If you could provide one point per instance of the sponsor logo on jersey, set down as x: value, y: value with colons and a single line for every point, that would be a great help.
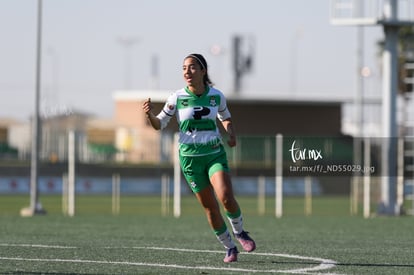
x: 184, y: 102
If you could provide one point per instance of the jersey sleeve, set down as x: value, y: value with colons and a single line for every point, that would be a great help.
x: 168, y: 110
x: 223, y: 111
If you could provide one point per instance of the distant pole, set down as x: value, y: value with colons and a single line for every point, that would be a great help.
x: 294, y: 60
x: 279, y: 177
x: 236, y: 63
x: 367, y: 178
x: 177, y: 180
x: 116, y: 194
x: 308, y: 195
x: 359, y: 115
x: 242, y: 63
x: 128, y: 43
x: 155, y: 73
x: 261, y: 195
x: 389, y: 106
x: 359, y: 118
x: 165, y: 194
x: 35, y: 207
x: 71, y: 172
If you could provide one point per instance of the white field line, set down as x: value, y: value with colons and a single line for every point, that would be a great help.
x: 324, y: 264
x: 39, y: 246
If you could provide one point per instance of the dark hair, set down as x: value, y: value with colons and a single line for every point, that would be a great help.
x: 203, y: 63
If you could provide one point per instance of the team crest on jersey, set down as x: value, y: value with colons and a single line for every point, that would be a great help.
x: 213, y: 101
x: 170, y: 106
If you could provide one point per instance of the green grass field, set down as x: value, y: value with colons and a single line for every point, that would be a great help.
x: 142, y: 241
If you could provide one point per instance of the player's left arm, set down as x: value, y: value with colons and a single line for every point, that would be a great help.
x: 224, y: 117
x: 228, y: 126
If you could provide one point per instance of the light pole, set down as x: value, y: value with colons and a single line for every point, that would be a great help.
x: 127, y: 43
x: 35, y: 207
x: 217, y: 51
x: 389, y: 118
x: 294, y: 59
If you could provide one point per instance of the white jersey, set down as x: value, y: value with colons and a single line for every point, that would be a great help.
x: 196, y: 117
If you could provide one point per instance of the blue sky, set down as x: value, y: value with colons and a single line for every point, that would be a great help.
x: 83, y: 62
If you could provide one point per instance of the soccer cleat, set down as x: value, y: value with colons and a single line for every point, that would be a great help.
x: 247, y: 243
x: 231, y: 255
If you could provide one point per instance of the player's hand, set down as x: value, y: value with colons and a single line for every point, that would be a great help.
x: 232, y: 141
x: 147, y: 106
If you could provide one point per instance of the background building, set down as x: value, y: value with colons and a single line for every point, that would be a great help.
x: 254, y: 114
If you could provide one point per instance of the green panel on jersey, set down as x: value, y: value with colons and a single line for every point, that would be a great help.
x: 193, y: 149
x: 198, y: 124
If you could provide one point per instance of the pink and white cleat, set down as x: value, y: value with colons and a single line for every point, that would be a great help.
x: 231, y: 255
x: 247, y: 243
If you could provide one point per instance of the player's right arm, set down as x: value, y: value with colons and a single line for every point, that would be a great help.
x: 154, y: 120
x: 160, y: 121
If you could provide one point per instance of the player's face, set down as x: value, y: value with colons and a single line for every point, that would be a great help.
x: 192, y: 72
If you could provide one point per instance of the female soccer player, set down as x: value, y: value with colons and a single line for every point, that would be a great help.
x: 203, y: 159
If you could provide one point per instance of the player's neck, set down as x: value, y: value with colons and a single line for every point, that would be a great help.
x: 197, y: 90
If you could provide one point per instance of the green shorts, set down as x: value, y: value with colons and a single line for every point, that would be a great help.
x: 198, y: 170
